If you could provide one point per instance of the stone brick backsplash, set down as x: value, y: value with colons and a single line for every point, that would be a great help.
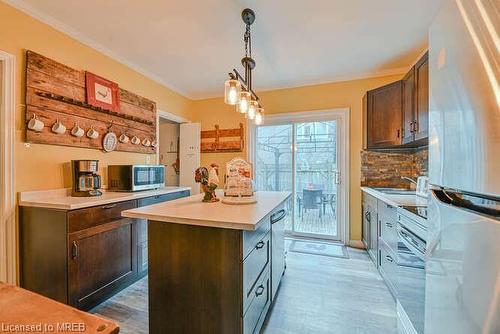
x: 384, y: 168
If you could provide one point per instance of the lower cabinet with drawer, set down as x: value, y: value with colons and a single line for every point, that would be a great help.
x: 209, y: 279
x: 82, y: 257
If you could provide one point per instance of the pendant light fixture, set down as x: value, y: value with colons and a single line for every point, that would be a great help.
x: 238, y: 89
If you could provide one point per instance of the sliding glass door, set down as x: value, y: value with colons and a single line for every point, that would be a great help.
x: 301, y: 157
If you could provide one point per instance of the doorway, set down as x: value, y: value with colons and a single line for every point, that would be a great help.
x: 168, y: 150
x: 306, y: 154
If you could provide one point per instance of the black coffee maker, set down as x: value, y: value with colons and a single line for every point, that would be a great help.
x: 86, y: 181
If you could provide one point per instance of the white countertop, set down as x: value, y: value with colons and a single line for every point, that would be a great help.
x: 396, y: 200
x: 192, y: 211
x: 61, y: 198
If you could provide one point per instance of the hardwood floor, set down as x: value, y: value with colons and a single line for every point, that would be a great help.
x: 318, y: 295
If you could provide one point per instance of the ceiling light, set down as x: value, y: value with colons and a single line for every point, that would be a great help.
x: 232, y: 91
x: 238, y: 89
x: 259, y: 116
x: 245, y: 99
x: 252, y: 109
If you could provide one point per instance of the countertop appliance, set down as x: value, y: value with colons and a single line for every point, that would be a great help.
x: 86, y: 181
x: 463, y: 242
x: 135, y: 177
x: 278, y: 248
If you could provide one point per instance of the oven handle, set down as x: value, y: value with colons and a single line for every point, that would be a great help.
x: 409, y: 241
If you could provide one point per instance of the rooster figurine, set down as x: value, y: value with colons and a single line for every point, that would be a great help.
x: 209, y: 180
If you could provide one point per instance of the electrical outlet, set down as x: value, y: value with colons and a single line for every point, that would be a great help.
x: 148, y: 159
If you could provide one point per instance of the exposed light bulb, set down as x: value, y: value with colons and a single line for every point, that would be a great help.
x: 252, y: 109
x: 233, y: 96
x: 259, y: 117
x: 232, y: 90
x: 244, y: 102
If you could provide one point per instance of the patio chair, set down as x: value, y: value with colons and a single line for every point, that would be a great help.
x: 311, y: 199
x: 329, y: 199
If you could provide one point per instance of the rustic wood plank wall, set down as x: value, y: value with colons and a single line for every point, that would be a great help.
x: 47, y: 79
x: 222, y: 140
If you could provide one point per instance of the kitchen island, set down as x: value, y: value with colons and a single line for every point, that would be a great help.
x: 213, y: 267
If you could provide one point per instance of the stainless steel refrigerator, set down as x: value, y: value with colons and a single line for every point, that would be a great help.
x: 463, y: 241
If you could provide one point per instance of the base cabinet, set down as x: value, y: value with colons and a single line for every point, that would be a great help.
x: 381, y: 237
x: 370, y: 226
x: 101, y: 259
x: 82, y: 257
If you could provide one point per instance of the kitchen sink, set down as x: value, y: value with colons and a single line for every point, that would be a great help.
x: 396, y: 191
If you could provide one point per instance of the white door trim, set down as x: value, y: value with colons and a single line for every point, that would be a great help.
x: 169, y: 117
x: 8, y: 231
x: 172, y: 117
x: 319, y: 115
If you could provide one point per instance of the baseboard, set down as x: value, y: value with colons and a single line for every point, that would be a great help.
x: 404, y: 324
x: 356, y: 244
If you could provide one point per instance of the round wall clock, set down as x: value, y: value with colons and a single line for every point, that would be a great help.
x: 109, y: 142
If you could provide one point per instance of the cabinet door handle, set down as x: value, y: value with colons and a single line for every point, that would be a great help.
x: 259, y: 291
x: 110, y: 206
x: 259, y: 245
x: 74, y: 250
x: 389, y: 258
x: 278, y: 216
x: 398, y: 131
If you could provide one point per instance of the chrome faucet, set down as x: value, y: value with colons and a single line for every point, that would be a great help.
x: 409, y: 179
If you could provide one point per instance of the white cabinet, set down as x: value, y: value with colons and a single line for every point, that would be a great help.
x: 189, y: 155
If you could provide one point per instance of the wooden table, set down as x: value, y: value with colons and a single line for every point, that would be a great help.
x: 23, y: 311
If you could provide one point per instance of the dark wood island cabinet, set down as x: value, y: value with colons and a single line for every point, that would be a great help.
x: 212, y: 265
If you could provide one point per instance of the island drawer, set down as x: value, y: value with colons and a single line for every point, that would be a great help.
x: 260, y: 301
x: 162, y: 198
x: 89, y: 217
x: 254, y: 265
x: 251, y: 238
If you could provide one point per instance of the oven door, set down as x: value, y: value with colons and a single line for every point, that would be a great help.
x: 411, y: 277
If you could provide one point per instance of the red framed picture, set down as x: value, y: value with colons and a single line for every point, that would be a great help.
x: 102, y: 92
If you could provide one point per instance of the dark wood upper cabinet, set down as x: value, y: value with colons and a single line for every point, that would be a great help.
x: 408, y: 106
x: 421, y: 127
x: 383, y: 115
x: 398, y: 114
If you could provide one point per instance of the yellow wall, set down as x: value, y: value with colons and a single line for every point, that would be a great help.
x: 308, y: 98
x: 46, y: 166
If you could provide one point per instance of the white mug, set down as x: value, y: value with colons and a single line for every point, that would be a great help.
x: 124, y: 138
x: 135, y: 140
x: 35, y: 124
x: 154, y: 143
x: 92, y: 134
x: 58, y: 127
x: 77, y: 131
x: 146, y: 142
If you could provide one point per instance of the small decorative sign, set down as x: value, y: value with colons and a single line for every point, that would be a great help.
x: 238, y: 178
x: 102, y: 93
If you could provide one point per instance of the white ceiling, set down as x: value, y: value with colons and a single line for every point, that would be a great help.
x: 191, y: 45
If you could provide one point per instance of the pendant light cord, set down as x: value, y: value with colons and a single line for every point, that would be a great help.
x: 248, y: 42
